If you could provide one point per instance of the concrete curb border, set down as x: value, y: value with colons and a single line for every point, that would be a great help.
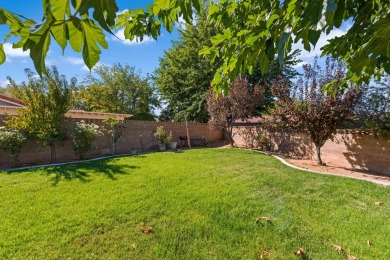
x: 65, y: 163
x: 380, y: 182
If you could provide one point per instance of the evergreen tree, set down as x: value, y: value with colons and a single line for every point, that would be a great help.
x: 183, y: 77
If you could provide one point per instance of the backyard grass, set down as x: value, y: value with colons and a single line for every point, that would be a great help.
x: 201, y: 204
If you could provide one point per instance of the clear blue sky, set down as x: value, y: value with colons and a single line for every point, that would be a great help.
x: 144, y: 56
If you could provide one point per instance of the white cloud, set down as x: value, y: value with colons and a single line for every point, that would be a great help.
x: 120, y: 36
x: 84, y: 67
x: 24, y: 61
x: 50, y: 62
x: 322, y: 41
x: 74, y: 61
x: 121, y: 12
x: 4, y: 83
x: 181, y: 23
x: 11, y: 52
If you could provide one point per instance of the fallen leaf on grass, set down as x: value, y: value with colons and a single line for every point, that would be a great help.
x: 300, y: 252
x: 338, y: 249
x: 378, y: 203
x: 369, y: 243
x: 148, y: 230
x: 266, y: 219
x: 351, y: 257
x: 263, y: 254
x: 134, y: 246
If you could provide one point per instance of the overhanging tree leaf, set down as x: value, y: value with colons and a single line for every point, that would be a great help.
x: 59, y: 34
x: 104, y: 12
x: 75, y: 31
x: 93, y: 36
x: 282, y: 46
x: 296, y: 17
x: 39, y: 50
x: 58, y: 8
x: 2, y: 54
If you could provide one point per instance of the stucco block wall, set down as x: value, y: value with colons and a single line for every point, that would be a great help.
x: 357, y: 150
x: 33, y: 153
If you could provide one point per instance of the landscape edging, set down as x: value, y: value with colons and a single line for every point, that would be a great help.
x: 380, y: 182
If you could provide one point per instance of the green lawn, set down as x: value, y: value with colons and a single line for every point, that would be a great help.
x: 202, y: 204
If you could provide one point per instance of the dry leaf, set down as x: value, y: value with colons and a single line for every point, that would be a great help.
x: 338, y: 249
x: 266, y: 219
x: 148, y: 230
x: 369, y: 243
x: 263, y: 254
x: 351, y: 257
x: 134, y: 246
x: 299, y: 252
x: 379, y: 203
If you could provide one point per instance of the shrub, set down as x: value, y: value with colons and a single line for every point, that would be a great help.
x: 83, y: 135
x: 162, y: 136
x: 115, y: 129
x: 11, y: 142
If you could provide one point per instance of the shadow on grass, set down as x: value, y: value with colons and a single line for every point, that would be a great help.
x: 84, y: 172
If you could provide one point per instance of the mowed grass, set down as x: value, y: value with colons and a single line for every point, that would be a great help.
x: 201, y: 204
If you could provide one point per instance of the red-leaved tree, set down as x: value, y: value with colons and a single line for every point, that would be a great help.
x: 237, y: 104
x: 306, y: 105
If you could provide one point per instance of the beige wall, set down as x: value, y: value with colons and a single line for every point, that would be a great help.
x: 359, y: 150
x: 33, y: 153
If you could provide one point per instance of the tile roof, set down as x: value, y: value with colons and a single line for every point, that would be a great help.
x: 13, y: 100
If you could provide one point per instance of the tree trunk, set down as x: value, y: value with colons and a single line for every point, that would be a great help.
x: 188, y: 134
x: 113, y: 147
x: 53, y: 153
x: 15, y: 158
x: 230, y: 133
x: 318, y: 149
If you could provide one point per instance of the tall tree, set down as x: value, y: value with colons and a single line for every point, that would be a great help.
x: 183, y: 77
x: 306, y: 105
x: 237, y: 104
x: 47, y: 100
x: 253, y: 29
x: 121, y: 89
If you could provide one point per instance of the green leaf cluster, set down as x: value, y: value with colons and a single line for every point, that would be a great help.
x: 121, y: 89
x: 11, y: 142
x: 183, y: 77
x: 266, y: 28
x: 255, y: 31
x: 47, y: 99
x: 64, y: 21
x: 83, y: 135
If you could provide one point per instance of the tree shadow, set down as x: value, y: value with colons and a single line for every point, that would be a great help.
x: 367, y: 153
x: 85, y: 171
x: 291, y: 143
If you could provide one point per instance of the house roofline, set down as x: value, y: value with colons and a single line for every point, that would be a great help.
x: 13, y: 101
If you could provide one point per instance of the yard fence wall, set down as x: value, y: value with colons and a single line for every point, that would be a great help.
x: 359, y: 150
x: 33, y: 154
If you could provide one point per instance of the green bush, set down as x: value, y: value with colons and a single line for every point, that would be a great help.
x: 162, y: 136
x: 83, y: 135
x: 11, y: 142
